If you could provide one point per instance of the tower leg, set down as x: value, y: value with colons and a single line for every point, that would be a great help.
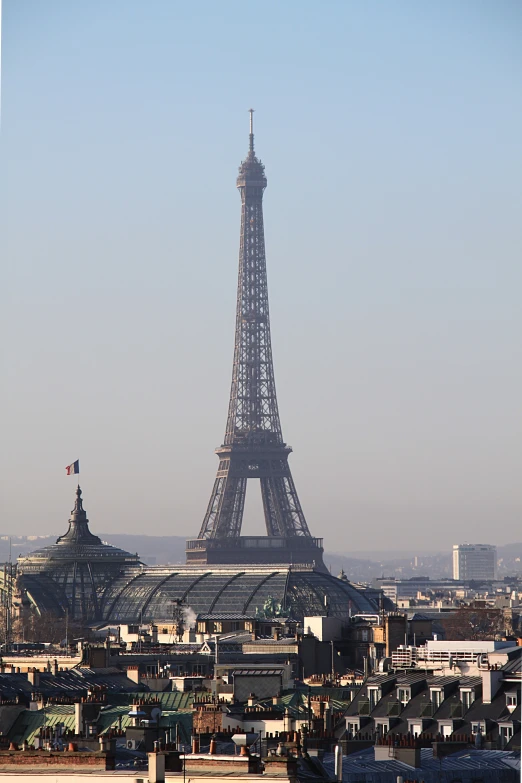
x: 225, y: 509
x: 282, y: 508
x: 272, y: 512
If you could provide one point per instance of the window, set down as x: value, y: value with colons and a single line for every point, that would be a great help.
x: 506, y: 733
x: 353, y: 728
x: 467, y: 698
x: 164, y: 630
x: 437, y: 698
x: 511, y: 699
x: 373, y: 695
x: 476, y: 728
x: 403, y: 695
x: 132, y: 629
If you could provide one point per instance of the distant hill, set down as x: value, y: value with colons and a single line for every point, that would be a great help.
x: 154, y: 550
x: 359, y: 566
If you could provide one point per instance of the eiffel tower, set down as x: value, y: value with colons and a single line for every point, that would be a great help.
x: 253, y: 447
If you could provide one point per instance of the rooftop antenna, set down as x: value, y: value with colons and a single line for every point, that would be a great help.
x: 251, y: 147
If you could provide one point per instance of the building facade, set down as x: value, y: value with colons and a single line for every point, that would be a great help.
x: 474, y: 562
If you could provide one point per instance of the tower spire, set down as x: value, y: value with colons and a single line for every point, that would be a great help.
x: 251, y: 137
x: 78, y: 531
x: 78, y: 509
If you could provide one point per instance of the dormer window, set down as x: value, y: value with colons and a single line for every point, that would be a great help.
x: 403, y: 695
x: 506, y: 734
x: 382, y: 728
x: 437, y: 697
x: 373, y: 696
x: 467, y: 698
x: 352, y: 728
x: 511, y: 701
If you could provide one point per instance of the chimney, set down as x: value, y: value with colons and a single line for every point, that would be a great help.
x: 338, y: 762
x: 78, y: 718
x: 491, y: 680
x: 133, y: 673
x: 33, y: 675
x: 55, y: 667
x: 327, y: 717
x: 36, y: 702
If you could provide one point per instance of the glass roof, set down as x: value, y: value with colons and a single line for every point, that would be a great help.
x: 150, y: 593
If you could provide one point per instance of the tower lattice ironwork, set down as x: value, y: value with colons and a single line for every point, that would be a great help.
x: 253, y: 445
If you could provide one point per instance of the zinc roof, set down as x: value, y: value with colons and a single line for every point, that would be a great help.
x: 28, y: 723
x: 362, y: 766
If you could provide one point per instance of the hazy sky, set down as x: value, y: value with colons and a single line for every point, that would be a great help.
x: 391, y: 134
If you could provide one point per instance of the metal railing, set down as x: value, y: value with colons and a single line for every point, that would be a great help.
x: 255, y: 542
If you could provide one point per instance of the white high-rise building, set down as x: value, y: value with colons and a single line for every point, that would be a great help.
x: 474, y: 561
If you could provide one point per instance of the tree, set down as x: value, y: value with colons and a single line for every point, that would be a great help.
x: 473, y: 624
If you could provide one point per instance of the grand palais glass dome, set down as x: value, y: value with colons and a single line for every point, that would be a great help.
x: 96, y: 582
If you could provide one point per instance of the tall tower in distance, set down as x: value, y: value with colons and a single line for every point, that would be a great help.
x: 253, y: 447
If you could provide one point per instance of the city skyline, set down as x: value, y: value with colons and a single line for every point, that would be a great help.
x: 392, y: 238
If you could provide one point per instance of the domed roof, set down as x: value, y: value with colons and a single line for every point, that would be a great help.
x: 149, y: 593
x: 72, y: 574
x: 77, y: 544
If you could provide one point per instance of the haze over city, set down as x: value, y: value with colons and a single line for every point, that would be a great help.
x: 391, y: 139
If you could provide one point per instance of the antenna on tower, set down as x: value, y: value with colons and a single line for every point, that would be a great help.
x: 251, y: 111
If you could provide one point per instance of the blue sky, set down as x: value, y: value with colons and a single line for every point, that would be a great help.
x: 391, y: 135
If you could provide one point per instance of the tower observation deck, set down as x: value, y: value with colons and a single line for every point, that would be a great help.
x: 253, y: 446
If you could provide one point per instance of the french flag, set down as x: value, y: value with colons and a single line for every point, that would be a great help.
x: 73, y: 468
